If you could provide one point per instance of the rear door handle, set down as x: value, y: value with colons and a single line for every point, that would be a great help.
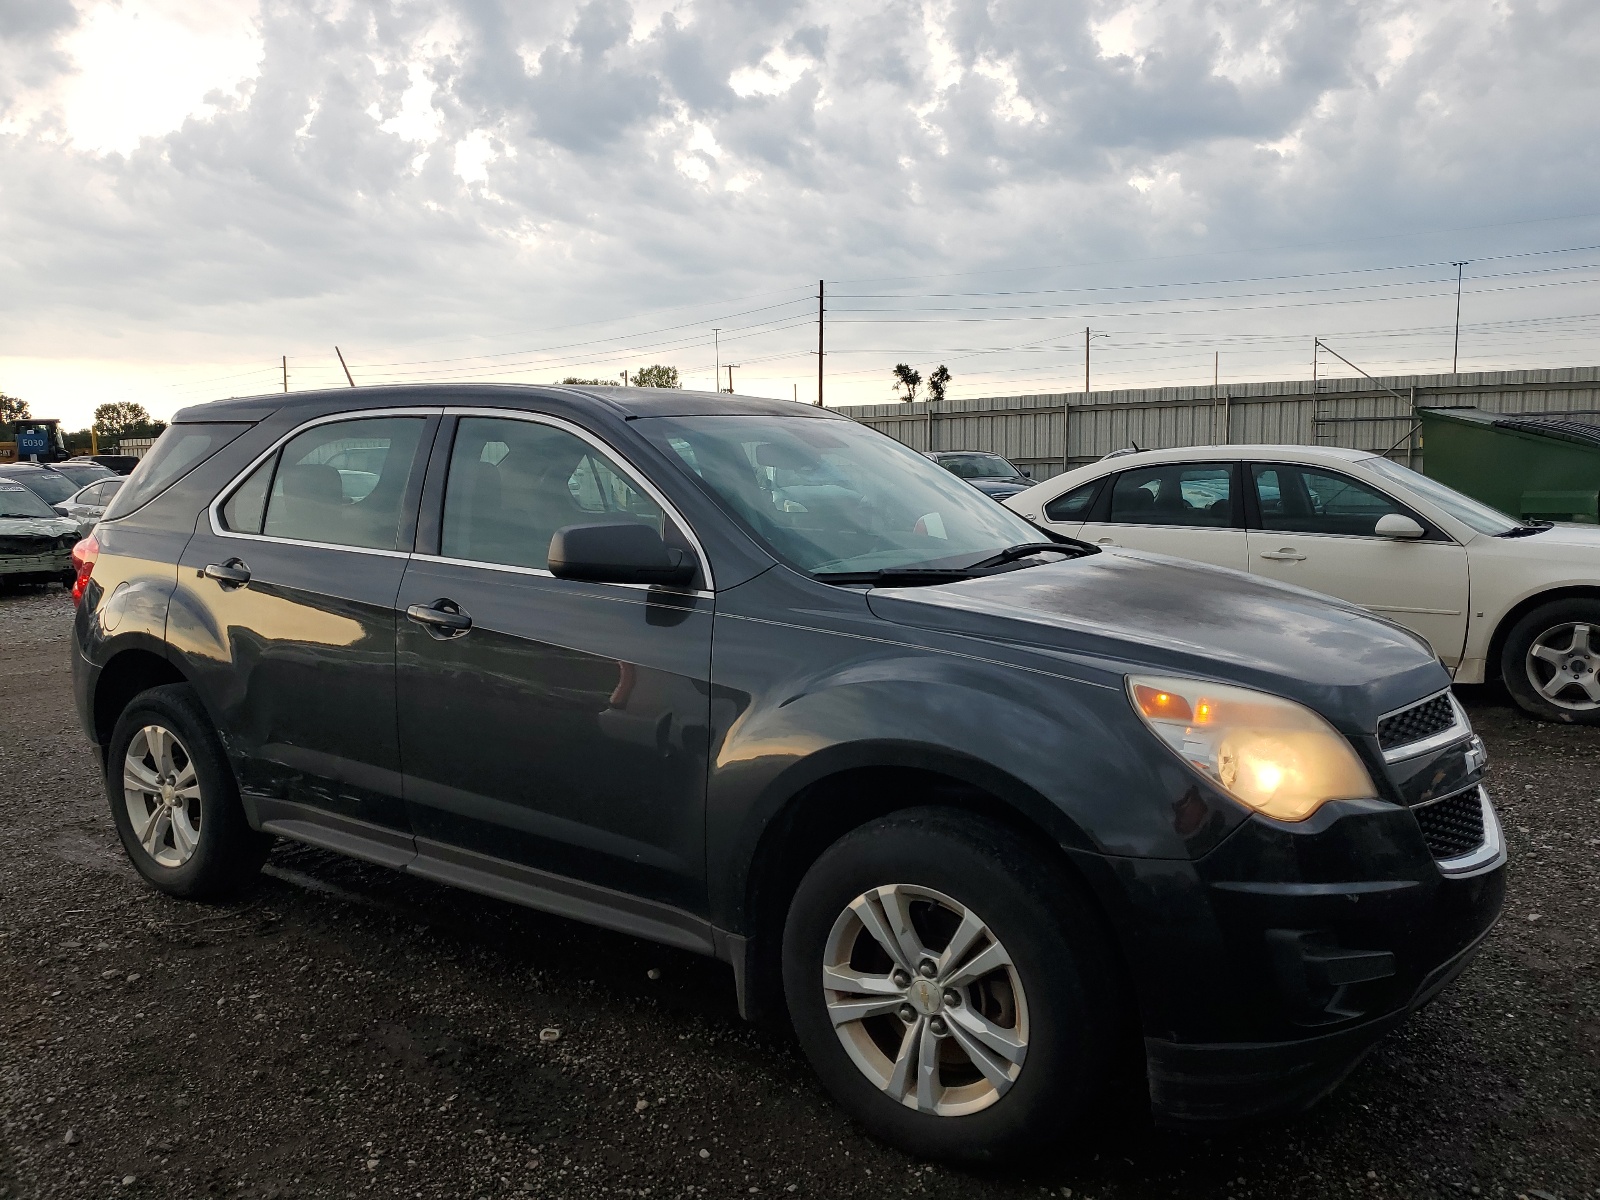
x: 230, y: 574
x: 1284, y: 555
x: 442, y: 618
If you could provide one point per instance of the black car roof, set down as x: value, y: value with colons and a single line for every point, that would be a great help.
x: 620, y: 401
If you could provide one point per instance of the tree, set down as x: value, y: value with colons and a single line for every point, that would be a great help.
x: 938, y: 380
x: 907, y: 380
x: 591, y: 382
x: 656, y: 375
x: 12, y: 408
x: 125, y: 419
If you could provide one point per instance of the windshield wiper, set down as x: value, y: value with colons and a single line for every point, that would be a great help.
x: 1527, y: 529
x: 899, y: 576
x: 1012, y: 553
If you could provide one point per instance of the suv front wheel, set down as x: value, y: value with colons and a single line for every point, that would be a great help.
x: 950, y: 985
x: 174, y: 800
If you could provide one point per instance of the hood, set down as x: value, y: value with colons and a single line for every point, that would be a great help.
x: 1000, y: 489
x: 39, y: 527
x: 1146, y: 612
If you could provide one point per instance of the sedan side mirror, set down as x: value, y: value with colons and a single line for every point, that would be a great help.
x: 1395, y: 525
x: 619, y: 552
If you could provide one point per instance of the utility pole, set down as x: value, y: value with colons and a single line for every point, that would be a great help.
x: 1216, y: 370
x: 731, y: 366
x: 1086, y: 360
x: 624, y: 377
x: 286, y: 374
x: 820, y: 311
x: 1316, y: 344
x: 716, y: 370
x: 342, y: 363
x: 1455, y: 352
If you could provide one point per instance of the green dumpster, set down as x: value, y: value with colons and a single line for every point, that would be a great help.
x: 1535, y: 466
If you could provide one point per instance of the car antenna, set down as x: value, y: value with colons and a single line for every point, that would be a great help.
x: 1135, y: 445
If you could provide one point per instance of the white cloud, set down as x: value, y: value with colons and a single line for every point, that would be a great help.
x: 289, y: 168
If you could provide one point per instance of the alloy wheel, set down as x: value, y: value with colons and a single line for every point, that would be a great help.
x: 925, y: 1000
x: 1562, y: 666
x: 162, y: 794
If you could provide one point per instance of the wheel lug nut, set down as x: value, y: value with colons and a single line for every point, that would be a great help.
x: 927, y: 968
x: 952, y: 997
x: 907, y: 1013
x: 937, y: 1027
x: 901, y: 979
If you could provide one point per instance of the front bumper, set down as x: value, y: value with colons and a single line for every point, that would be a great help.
x: 1204, y: 1087
x: 1265, y: 970
x: 52, y: 563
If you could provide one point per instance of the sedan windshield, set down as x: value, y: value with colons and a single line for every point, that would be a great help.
x: 834, y: 498
x: 18, y: 501
x: 1465, y: 509
x: 52, y: 487
x: 978, y: 466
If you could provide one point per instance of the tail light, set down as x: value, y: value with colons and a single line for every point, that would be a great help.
x: 84, y: 555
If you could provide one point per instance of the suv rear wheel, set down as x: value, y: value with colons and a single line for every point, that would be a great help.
x: 174, y: 800
x: 1551, y: 662
x: 950, y: 986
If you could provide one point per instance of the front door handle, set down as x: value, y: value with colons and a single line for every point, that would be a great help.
x: 231, y: 574
x: 1284, y: 555
x: 442, y: 619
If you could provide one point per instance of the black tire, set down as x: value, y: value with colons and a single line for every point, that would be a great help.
x: 1058, y: 949
x: 1547, y: 621
x: 227, y: 854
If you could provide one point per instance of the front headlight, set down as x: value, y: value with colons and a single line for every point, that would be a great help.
x: 1268, y: 753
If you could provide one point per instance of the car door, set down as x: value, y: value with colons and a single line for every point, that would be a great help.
x: 1316, y: 529
x: 553, y: 732
x: 293, y: 576
x: 1186, y: 509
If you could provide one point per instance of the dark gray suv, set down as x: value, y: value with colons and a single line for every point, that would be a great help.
x: 985, y: 813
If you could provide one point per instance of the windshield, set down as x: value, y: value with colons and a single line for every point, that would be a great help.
x: 85, y: 472
x: 834, y: 497
x: 978, y: 466
x: 1465, y: 509
x: 54, y: 488
x: 18, y: 501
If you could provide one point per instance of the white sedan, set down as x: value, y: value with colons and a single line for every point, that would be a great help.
x: 1495, y: 597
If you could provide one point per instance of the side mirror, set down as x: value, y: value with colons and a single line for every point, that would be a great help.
x: 1027, y: 472
x: 620, y: 552
x: 1394, y: 525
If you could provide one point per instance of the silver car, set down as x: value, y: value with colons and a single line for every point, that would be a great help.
x: 87, y: 505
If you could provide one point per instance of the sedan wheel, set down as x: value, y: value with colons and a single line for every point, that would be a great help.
x: 1550, y: 661
x: 162, y: 791
x: 1562, y: 665
x: 925, y: 1000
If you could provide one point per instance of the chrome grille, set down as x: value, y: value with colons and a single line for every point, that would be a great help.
x: 1417, y: 722
x: 1453, y: 826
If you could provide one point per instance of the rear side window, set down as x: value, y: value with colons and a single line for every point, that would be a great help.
x: 179, y: 450
x: 1188, y: 494
x: 512, y: 484
x: 341, y: 484
x: 1074, y: 505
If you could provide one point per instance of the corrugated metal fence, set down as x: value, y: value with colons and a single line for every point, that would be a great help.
x: 1055, y: 431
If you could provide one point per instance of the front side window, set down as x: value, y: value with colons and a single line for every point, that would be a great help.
x: 179, y: 450
x: 1187, y: 494
x: 835, y: 498
x: 513, y: 484
x: 342, y: 484
x: 1307, y: 500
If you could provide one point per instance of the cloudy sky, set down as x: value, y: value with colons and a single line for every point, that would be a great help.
x: 485, y: 189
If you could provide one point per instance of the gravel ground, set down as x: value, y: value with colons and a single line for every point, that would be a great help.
x: 345, y: 1030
